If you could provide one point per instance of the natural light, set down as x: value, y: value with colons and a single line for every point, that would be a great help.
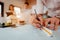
x: 17, y: 11
x: 0, y: 10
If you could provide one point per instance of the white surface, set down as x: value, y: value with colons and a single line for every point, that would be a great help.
x: 26, y: 32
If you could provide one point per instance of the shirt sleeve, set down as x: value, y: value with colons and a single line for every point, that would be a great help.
x: 34, y: 7
x: 38, y: 7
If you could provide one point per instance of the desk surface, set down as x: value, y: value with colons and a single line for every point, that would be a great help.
x: 26, y: 32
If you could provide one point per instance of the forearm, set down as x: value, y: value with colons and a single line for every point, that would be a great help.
x: 40, y: 6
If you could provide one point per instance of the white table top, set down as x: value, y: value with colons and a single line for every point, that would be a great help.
x: 26, y: 32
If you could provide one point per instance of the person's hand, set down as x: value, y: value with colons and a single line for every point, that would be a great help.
x: 36, y: 22
x: 54, y: 23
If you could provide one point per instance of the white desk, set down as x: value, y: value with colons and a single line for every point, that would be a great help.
x: 26, y: 32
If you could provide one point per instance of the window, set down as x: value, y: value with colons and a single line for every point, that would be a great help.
x: 1, y: 9
x: 17, y: 11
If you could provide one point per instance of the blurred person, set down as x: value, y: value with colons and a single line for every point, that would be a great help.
x: 38, y: 7
x: 26, y: 12
x: 11, y: 15
x: 53, y: 9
